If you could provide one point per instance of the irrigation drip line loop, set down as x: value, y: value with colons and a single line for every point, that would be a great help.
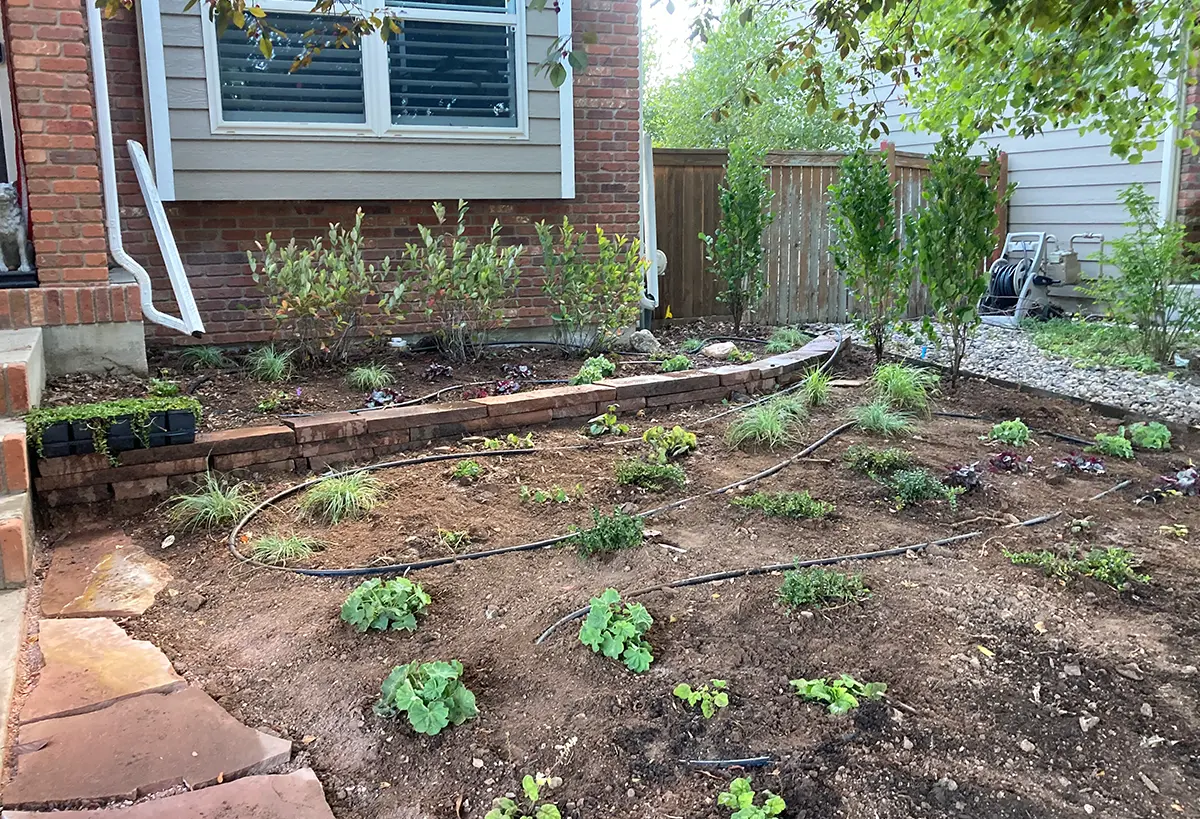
x: 751, y: 762
x: 734, y: 574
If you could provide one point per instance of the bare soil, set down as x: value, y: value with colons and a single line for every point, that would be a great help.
x: 994, y: 670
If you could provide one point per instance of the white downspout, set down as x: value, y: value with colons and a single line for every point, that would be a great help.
x: 191, y: 323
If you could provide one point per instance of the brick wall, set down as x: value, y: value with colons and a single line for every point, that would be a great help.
x: 1189, y: 171
x: 213, y: 237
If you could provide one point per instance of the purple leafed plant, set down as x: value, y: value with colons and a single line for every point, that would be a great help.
x: 964, y: 476
x: 435, y: 371
x: 474, y: 392
x: 383, y: 397
x: 1009, y: 461
x: 519, y: 372
x: 507, y: 386
x: 1184, y: 481
x: 1078, y: 462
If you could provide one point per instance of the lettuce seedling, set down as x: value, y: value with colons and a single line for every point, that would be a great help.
x: 839, y: 695
x: 740, y: 799
x: 709, y: 699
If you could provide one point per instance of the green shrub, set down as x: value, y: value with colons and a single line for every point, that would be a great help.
x: 369, y: 378
x: 817, y: 587
x: 593, y: 370
x: 916, y: 485
x: 1013, y: 433
x: 741, y: 800
x: 505, y: 807
x: 654, y: 477
x: 430, y: 694
x: 282, y: 550
x: 593, y: 295
x: 786, y: 339
x: 618, y: 632
x: 709, y: 699
x: 774, y: 423
x: 675, y: 364
x: 903, y: 387
x: 163, y: 388
x: 215, y: 502
x: 467, y: 471
x: 1116, y: 567
x: 866, y: 245
x: 1115, y: 446
x: 341, y: 497
x: 609, y: 533
x: 879, y: 418
x: 877, y: 462
x: 1152, y: 436
x: 463, y: 283
x: 735, y: 252
x: 204, y: 357
x: 268, y: 365
x: 378, y: 605
x: 816, y: 388
x: 797, y: 505
x: 667, y: 445
x: 318, y: 294
x: 840, y: 695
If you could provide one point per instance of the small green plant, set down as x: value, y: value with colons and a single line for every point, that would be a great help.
x: 916, y: 485
x: 385, y: 605
x: 618, y: 631
x: 740, y: 798
x: 555, y: 494
x: 879, y: 418
x: 1152, y: 436
x: 453, y: 539
x: 797, y: 505
x: 268, y: 365
x: 651, y: 476
x: 214, y: 502
x: 710, y: 699
x: 816, y: 389
x: 903, y: 387
x: 877, y: 463
x: 509, y: 441
x: 769, y: 425
x: 692, y: 345
x: 594, y: 369
x: 786, y: 339
x: 1116, y: 567
x: 430, y: 694
x: 675, y: 364
x: 606, y: 424
x: 1114, y: 446
x: 369, y: 377
x: 283, y: 550
x: 816, y: 587
x: 609, y: 533
x: 667, y: 445
x: 1176, y: 530
x: 162, y: 388
x: 341, y: 497
x: 1013, y: 433
x: 204, y: 358
x: 504, y: 807
x: 737, y: 356
x: 839, y: 695
x: 466, y: 472
x: 274, y: 402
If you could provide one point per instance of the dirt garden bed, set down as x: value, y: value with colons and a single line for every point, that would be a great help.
x: 994, y: 670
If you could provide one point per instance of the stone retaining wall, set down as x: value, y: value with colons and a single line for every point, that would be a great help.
x: 318, y: 442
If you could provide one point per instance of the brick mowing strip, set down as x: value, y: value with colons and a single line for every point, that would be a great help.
x: 319, y: 442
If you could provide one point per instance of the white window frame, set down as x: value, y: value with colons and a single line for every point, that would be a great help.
x: 376, y: 87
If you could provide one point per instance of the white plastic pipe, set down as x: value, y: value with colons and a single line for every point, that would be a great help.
x: 190, y: 323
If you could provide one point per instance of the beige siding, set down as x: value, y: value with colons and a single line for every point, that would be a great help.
x: 212, y: 166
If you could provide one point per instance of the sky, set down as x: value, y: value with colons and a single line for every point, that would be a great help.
x: 670, y: 33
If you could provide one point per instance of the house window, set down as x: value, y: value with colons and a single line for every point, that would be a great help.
x: 456, y: 68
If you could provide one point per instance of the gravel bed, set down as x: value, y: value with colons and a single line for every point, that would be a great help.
x: 1011, y: 355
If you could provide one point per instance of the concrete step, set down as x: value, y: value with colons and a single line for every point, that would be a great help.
x: 22, y: 370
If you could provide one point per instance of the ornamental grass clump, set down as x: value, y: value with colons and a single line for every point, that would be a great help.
x: 768, y: 425
x: 786, y: 339
x: 879, y: 418
x: 215, y: 502
x: 269, y: 365
x: 369, y: 377
x: 341, y: 497
x: 283, y: 550
x: 902, y: 387
x: 816, y: 388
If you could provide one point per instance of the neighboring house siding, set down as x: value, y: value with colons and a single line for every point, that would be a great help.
x: 213, y: 236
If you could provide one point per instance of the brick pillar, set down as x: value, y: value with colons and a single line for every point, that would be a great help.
x: 1189, y: 170
x: 56, y: 120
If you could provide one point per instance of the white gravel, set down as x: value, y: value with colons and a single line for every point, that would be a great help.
x: 1009, y: 354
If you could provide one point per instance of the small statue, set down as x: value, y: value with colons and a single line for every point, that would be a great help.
x: 14, y: 243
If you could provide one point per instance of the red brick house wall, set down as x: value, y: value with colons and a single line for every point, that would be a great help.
x: 1189, y: 169
x: 213, y: 237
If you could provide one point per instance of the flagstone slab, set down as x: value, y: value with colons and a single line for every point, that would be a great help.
x: 101, y: 574
x: 136, y: 747
x: 91, y: 663
x: 296, y: 795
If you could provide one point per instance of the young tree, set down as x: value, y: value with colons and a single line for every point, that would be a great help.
x: 735, y: 251
x: 866, y: 246
x: 951, y: 238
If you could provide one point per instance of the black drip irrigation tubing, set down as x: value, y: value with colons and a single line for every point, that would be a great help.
x: 734, y: 574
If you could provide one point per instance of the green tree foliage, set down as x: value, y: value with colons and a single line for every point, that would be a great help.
x: 1153, y: 259
x: 679, y: 111
x: 866, y: 246
x: 951, y: 238
x: 735, y: 251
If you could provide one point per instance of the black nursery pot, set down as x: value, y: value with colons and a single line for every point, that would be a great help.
x: 120, y: 435
x: 172, y: 427
x: 67, y: 438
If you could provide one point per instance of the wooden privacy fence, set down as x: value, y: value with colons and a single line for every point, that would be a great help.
x: 801, y: 282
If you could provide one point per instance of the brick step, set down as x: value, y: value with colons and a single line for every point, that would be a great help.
x: 22, y: 370
x: 16, y: 514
